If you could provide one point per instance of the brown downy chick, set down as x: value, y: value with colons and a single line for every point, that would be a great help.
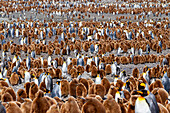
x: 93, y: 105
x: 84, y: 82
x: 81, y: 90
x: 33, y: 90
x: 54, y: 109
x: 11, y: 91
x: 12, y: 107
x: 73, y: 85
x: 65, y: 88
x: 131, y: 105
x: 26, y: 106
x: 21, y: 94
x: 112, y: 91
x: 99, y: 90
x: 162, y: 108
x: 70, y: 106
x: 105, y: 82
x: 27, y: 88
x: 40, y: 103
x: 6, y: 97
x: 111, y: 106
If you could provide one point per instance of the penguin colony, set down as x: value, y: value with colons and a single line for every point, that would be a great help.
x: 68, y: 56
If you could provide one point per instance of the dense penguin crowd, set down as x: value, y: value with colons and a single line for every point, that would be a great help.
x: 88, y: 56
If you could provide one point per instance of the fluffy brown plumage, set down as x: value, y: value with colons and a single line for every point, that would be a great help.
x: 12, y: 107
x: 70, y: 106
x: 26, y: 106
x: 40, y: 103
x: 73, y: 85
x: 54, y: 109
x: 81, y: 90
x: 65, y: 88
x: 93, y: 106
x: 111, y: 106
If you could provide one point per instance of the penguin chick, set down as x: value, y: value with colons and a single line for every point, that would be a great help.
x: 70, y: 106
x: 157, y: 96
x: 135, y: 72
x: 26, y: 106
x: 131, y: 104
x: 93, y: 106
x: 21, y: 93
x: 84, y: 82
x: 163, y: 94
x: 11, y: 91
x: 64, y: 88
x: 33, y: 90
x: 53, y: 109
x: 112, y: 91
x: 105, y: 82
x: 73, y: 85
x: 14, y: 79
x: 108, y: 69
x: 40, y: 103
x: 99, y: 90
x: 27, y: 87
x: 162, y: 108
x: 12, y: 107
x: 6, y: 97
x: 122, y: 105
x: 81, y: 90
x: 52, y: 101
x: 111, y: 106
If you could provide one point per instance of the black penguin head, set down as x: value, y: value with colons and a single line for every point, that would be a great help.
x: 124, y: 73
x: 141, y: 86
x: 143, y: 93
x: 58, y: 82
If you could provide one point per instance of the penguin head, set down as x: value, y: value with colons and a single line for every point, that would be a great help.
x: 58, y: 82
x: 142, y: 86
x: 116, y: 76
x: 164, y: 72
x: 143, y: 93
x: 124, y: 72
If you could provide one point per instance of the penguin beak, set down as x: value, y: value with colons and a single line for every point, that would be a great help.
x: 140, y: 92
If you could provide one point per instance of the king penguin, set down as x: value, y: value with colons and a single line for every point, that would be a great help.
x: 27, y: 77
x: 33, y: 54
x: 140, y: 51
x: 48, y: 83
x: 56, y: 90
x: 35, y: 80
x: 98, y: 79
x: 49, y: 61
x: 146, y: 103
x: 14, y: 59
x: 28, y: 62
x: 141, y: 105
x: 92, y: 48
x: 166, y: 82
x: 147, y: 49
x: 64, y: 68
